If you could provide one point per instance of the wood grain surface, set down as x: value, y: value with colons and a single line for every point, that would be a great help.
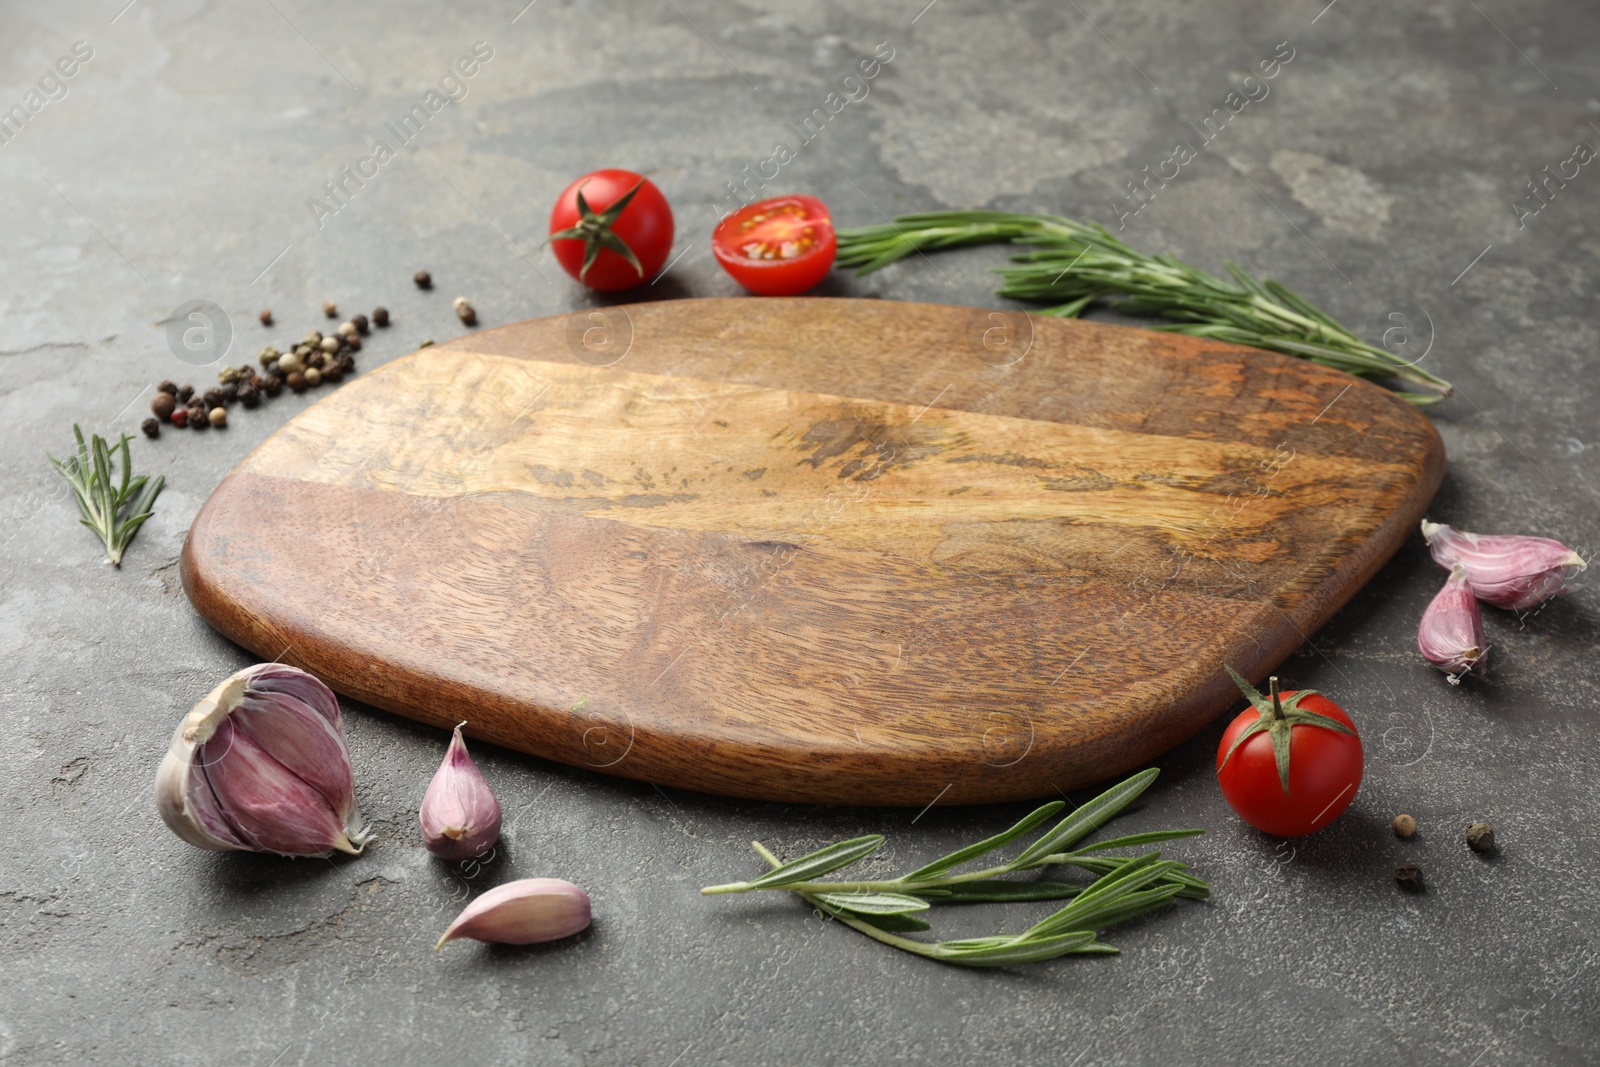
x: 815, y: 550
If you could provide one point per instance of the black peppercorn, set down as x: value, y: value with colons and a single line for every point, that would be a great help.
x: 230, y: 392
x: 214, y: 398
x: 361, y: 323
x: 249, y: 395
x: 353, y: 343
x: 151, y: 427
x: 199, y: 418
x: 316, y: 359
x: 423, y: 279
x: 380, y: 316
x: 1480, y: 837
x: 1409, y: 876
x: 167, y: 387
x: 185, y: 393
x: 265, y: 316
x: 272, y: 384
x: 347, y: 364
x: 296, y: 381
x: 162, y: 405
x: 331, y: 372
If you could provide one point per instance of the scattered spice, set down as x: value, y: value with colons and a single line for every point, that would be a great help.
x: 359, y: 321
x: 1404, y: 825
x: 163, y: 404
x: 330, y: 344
x: 330, y: 309
x: 313, y: 376
x: 296, y: 381
x: 218, y: 417
x: 423, y: 279
x: 465, y: 312
x: 197, y: 416
x: 265, y: 316
x: 114, y: 507
x: 1480, y: 837
x: 167, y: 387
x: 1409, y: 875
x: 380, y: 316
x: 214, y: 398
x: 151, y: 427
x: 184, y: 393
x: 180, y: 417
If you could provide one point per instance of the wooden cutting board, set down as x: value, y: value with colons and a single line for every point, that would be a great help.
x: 817, y: 550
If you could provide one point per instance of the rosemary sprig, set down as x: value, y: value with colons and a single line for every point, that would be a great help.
x: 1126, y: 886
x: 114, y: 508
x: 1073, y: 264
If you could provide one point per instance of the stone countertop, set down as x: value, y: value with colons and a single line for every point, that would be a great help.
x: 1384, y: 171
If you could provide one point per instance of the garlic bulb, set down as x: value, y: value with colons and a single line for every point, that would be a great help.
x: 1507, y: 570
x: 261, y: 765
x: 460, y: 816
x: 522, y: 913
x: 1451, y: 633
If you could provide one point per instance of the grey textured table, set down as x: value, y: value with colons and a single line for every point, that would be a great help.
x: 1381, y: 175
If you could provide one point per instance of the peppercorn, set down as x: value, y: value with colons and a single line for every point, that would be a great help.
x: 313, y: 377
x: 353, y: 343
x: 330, y: 344
x: 218, y: 417
x: 380, y: 316
x: 197, y: 417
x: 423, y: 279
x: 180, y: 417
x: 214, y: 398
x: 272, y: 384
x: 230, y: 392
x: 465, y: 311
x: 268, y: 356
x: 163, y: 404
x: 1409, y: 875
x: 359, y: 321
x: 346, y: 329
x: 185, y: 393
x: 292, y: 362
x: 333, y: 372
x: 315, y: 359
x: 1404, y: 825
x: 168, y: 388
x: 426, y: 343
x: 151, y: 427
x: 249, y: 395
x: 329, y: 309
x: 296, y: 381
x: 346, y: 364
x: 1480, y: 837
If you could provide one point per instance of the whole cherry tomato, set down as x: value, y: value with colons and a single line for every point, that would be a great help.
x: 777, y: 247
x: 1291, y: 762
x: 611, y: 230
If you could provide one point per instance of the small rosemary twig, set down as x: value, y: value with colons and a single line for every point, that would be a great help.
x: 114, y: 508
x: 1070, y: 265
x: 884, y: 909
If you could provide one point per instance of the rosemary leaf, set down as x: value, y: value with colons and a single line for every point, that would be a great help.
x: 1070, y: 265
x: 809, y: 866
x: 1085, y: 820
x: 114, y: 505
x: 875, y: 903
x: 955, y: 859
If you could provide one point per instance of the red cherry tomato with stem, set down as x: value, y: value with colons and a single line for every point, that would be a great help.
x: 1291, y: 762
x: 611, y: 230
x: 777, y: 247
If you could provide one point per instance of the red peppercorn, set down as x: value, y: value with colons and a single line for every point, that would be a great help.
x: 180, y: 417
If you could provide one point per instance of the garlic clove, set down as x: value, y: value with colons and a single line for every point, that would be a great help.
x: 1506, y: 570
x: 261, y: 764
x: 459, y: 815
x: 1450, y: 635
x: 273, y: 809
x: 522, y: 913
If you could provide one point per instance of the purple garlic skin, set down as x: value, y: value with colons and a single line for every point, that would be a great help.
x: 460, y: 816
x: 1506, y: 570
x: 1451, y: 633
x: 261, y: 765
x: 522, y: 913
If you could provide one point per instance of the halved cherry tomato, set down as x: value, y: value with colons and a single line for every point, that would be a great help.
x: 776, y: 247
